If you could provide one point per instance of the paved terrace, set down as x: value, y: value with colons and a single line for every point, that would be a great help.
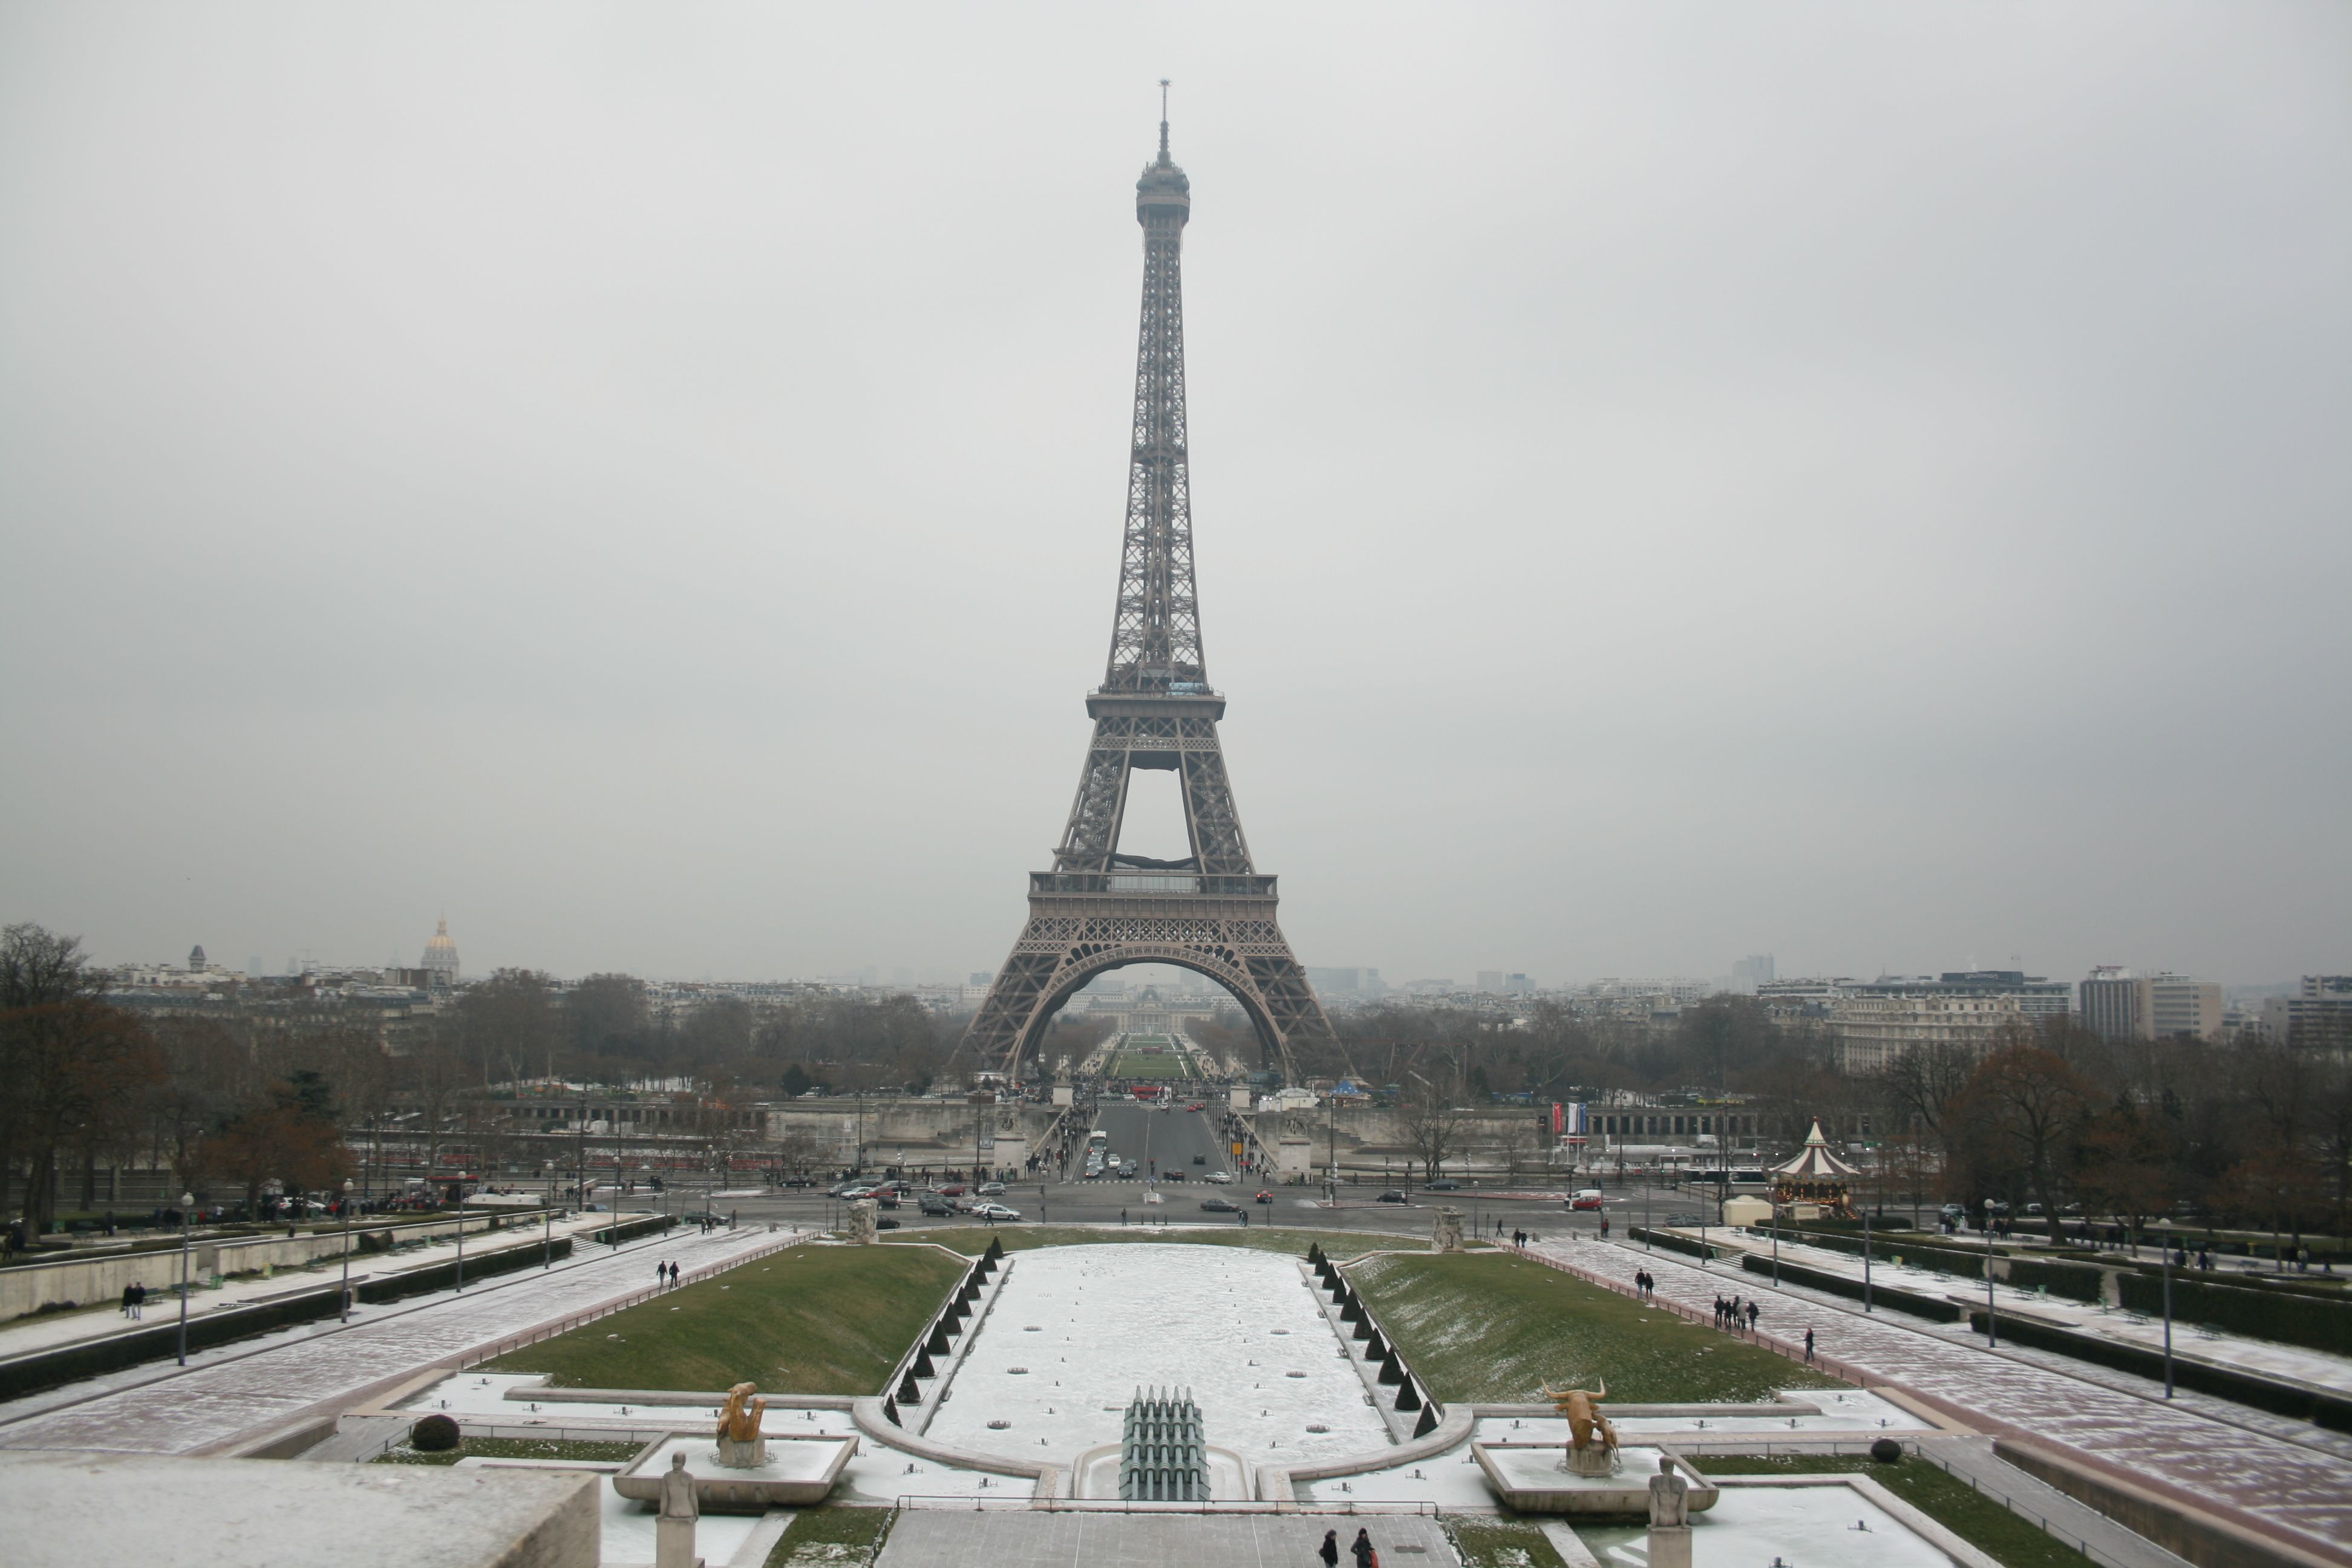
x: 217, y: 1408
x: 2283, y: 1490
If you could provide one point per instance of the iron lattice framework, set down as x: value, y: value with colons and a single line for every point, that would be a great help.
x: 1098, y: 909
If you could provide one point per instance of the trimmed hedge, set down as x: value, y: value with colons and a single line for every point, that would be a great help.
x: 70, y: 1364
x: 442, y: 1276
x: 1672, y: 1243
x: 633, y: 1228
x: 2293, y: 1320
x: 2321, y: 1406
x: 2076, y: 1281
x: 1901, y: 1300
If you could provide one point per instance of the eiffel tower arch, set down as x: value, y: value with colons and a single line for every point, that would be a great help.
x: 1213, y: 911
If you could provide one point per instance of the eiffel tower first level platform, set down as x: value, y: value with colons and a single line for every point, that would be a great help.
x: 1211, y: 911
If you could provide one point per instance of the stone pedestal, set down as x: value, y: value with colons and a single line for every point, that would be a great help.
x: 863, y: 1214
x: 1670, y: 1546
x: 1593, y: 1460
x: 742, y: 1455
x: 1237, y: 1098
x: 1065, y: 1095
x: 1447, y: 1235
x: 674, y: 1544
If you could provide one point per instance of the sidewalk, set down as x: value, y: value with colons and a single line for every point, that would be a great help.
x: 2292, y: 1492
x: 27, y: 1334
x: 217, y: 1407
x: 2189, y: 1341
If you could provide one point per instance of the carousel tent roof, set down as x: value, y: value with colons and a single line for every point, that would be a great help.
x: 1814, y: 1162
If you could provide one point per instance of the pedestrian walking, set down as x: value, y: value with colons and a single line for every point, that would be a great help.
x: 1752, y: 1315
x: 673, y: 1274
x: 1362, y: 1548
x: 1329, y: 1550
x: 1808, y: 1347
x: 661, y: 1274
x: 126, y: 1301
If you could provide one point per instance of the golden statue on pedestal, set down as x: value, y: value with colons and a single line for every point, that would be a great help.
x: 1585, y: 1457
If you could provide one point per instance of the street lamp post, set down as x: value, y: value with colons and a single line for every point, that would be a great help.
x: 1992, y: 1325
x: 1865, y: 1257
x: 547, y: 1245
x: 1775, y: 1243
x: 2168, y: 1316
x: 187, y: 1213
x: 347, y: 1250
x: 461, y: 1232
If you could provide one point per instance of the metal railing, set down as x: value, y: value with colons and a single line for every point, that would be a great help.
x: 1150, y: 884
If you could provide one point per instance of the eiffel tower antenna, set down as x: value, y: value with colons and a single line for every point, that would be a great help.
x: 1099, y: 909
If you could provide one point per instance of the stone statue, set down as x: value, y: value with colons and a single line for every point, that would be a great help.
x: 1669, y: 1544
x: 864, y: 1222
x: 741, y: 1445
x: 673, y: 1530
x: 1669, y: 1498
x: 1447, y: 1235
x: 1586, y: 1456
x: 677, y: 1499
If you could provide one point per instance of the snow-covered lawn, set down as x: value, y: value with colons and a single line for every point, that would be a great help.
x: 1087, y: 1326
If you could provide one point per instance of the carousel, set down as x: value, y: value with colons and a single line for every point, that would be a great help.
x: 1815, y: 1179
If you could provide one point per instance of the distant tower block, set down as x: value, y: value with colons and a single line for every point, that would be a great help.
x: 196, y: 956
x: 441, y: 959
x: 1099, y: 909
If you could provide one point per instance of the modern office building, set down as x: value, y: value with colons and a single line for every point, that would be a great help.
x: 2319, y: 1014
x: 2117, y: 1004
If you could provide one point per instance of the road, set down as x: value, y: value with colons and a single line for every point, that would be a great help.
x: 1171, y: 1138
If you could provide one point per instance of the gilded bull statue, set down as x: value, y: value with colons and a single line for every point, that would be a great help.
x: 1585, y: 1422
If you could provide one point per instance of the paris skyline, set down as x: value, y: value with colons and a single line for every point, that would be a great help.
x: 1667, y: 486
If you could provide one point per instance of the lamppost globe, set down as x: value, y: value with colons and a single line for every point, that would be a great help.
x: 187, y: 1200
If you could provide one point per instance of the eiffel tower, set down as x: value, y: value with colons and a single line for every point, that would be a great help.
x: 1097, y: 909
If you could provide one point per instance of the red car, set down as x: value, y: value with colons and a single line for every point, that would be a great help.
x: 1194, y: 1106
x: 1590, y: 1198
x: 948, y: 1192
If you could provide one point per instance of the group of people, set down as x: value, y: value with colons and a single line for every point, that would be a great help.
x: 1360, y: 1548
x: 134, y: 1301
x: 1518, y: 1237
x: 1736, y: 1314
x: 1645, y: 1287
x: 665, y: 1276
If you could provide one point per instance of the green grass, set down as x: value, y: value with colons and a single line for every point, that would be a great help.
x: 973, y: 1240
x: 1501, y: 1544
x: 833, y: 1536
x: 512, y: 1449
x: 1493, y: 1329
x: 2008, y: 1538
x: 810, y: 1319
x: 1135, y: 1064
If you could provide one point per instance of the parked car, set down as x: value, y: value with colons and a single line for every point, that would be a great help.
x: 1220, y: 1177
x: 2034, y: 1211
x: 1219, y: 1205
x: 1391, y: 1196
x: 936, y: 1207
x: 995, y: 1211
x: 1265, y: 1197
x: 1590, y: 1198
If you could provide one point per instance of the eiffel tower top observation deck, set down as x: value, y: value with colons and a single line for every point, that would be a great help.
x: 1100, y: 907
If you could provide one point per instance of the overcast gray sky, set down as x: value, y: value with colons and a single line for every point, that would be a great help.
x: 1866, y: 483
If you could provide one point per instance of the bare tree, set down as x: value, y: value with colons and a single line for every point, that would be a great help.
x: 1430, y: 1115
